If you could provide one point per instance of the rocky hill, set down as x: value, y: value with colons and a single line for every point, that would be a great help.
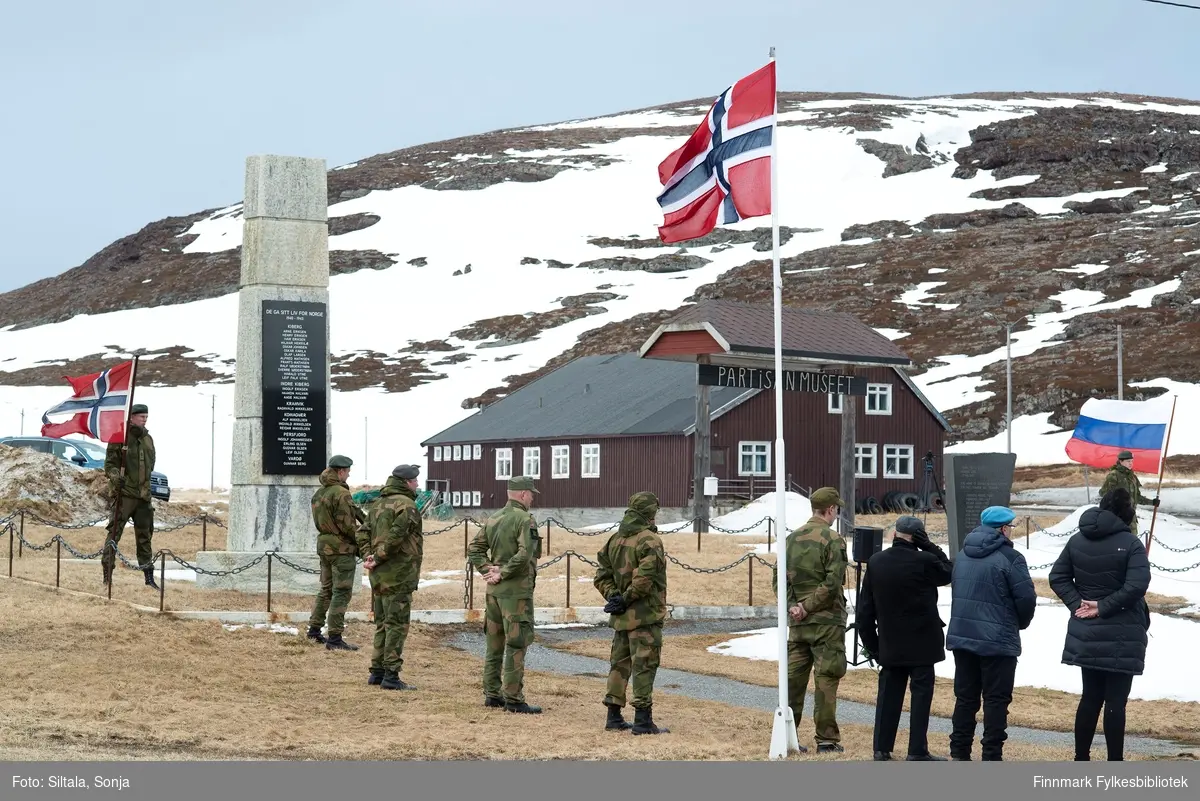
x: 1076, y: 213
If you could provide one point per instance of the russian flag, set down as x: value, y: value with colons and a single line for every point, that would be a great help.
x: 1107, y: 427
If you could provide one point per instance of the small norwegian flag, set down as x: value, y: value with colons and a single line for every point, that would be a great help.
x: 99, y: 407
x: 722, y: 174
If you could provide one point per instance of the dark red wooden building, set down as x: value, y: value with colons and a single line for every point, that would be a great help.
x: 603, y: 427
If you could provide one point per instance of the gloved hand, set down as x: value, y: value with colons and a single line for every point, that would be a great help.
x: 1154, y: 503
x: 922, y: 541
x: 615, y: 605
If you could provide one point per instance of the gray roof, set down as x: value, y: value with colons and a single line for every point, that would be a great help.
x: 595, y: 396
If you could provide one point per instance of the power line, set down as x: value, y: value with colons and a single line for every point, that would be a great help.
x: 1169, y: 3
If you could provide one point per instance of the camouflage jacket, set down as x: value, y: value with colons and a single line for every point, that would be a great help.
x: 1121, y: 476
x: 393, y: 535
x: 816, y: 572
x: 509, y: 539
x: 634, y: 565
x: 139, y: 463
x: 335, y: 517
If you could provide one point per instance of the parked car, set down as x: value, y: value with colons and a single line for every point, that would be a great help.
x: 85, y: 454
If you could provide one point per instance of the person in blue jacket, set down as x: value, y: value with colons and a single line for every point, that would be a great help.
x: 993, y: 601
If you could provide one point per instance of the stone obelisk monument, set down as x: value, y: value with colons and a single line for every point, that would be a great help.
x: 281, y: 430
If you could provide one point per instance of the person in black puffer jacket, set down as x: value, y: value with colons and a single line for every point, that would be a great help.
x: 1102, y: 576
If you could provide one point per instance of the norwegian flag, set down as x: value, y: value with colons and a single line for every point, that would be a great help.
x: 99, y: 407
x: 722, y: 174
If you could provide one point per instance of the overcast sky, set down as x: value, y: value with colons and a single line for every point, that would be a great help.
x: 115, y: 114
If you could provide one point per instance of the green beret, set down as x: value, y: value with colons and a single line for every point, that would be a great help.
x: 138, y: 408
x: 340, y: 462
x: 520, y: 483
x: 644, y: 504
x: 826, y: 497
x: 407, y: 472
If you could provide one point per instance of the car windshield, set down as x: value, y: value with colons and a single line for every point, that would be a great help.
x: 90, y: 448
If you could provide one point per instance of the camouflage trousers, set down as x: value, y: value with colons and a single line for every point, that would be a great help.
x: 143, y: 528
x: 392, y: 614
x: 635, y: 655
x: 508, y: 626
x: 819, y: 649
x: 337, y: 583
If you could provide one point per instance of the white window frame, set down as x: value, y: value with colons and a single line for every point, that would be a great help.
x: 835, y: 403
x: 861, y: 451
x: 588, y: 453
x: 456, y: 499
x: 535, y: 463
x: 476, y: 498
x: 876, y: 391
x: 504, y: 457
x: 558, y: 452
x: 457, y: 450
x: 477, y: 451
x: 757, y: 449
x: 911, y: 460
x: 437, y: 453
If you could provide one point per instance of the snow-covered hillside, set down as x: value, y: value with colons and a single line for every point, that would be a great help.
x: 520, y: 248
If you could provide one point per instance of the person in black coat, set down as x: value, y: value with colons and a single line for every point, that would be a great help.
x: 898, y: 621
x: 1102, y: 576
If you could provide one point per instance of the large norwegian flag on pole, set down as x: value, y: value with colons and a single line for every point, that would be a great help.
x: 722, y: 174
x: 99, y: 406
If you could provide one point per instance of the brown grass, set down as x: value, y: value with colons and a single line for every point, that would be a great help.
x: 90, y: 680
x: 1032, y: 707
x: 1180, y: 469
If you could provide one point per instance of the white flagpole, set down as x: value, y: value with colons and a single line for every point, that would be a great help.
x: 783, y: 732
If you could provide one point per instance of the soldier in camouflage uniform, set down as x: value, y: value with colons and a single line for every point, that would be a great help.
x: 1121, y: 475
x: 131, y: 493
x: 816, y: 571
x: 337, y: 520
x: 505, y: 552
x: 633, y: 579
x: 394, y: 544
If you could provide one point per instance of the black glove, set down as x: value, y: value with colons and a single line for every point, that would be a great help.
x: 1154, y: 503
x: 921, y: 540
x: 615, y: 605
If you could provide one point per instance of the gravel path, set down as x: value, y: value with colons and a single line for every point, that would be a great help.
x: 752, y: 696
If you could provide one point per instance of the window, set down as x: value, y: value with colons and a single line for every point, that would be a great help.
x: 879, y: 398
x: 476, y: 498
x: 503, y: 463
x: 835, y: 403
x: 477, y: 451
x: 456, y: 499
x: 864, y: 461
x: 755, y: 459
x: 560, y: 464
x: 897, y: 461
x: 437, y: 453
x: 532, y: 463
x: 457, y: 453
x: 590, y: 458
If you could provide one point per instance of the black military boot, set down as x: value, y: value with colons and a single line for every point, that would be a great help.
x: 493, y: 702
x: 643, y: 722
x: 314, y: 634
x: 391, y: 681
x: 926, y: 757
x: 615, y: 721
x: 150, y: 578
x: 523, y: 708
x: 829, y: 748
x: 376, y: 676
x: 884, y: 756
x: 336, y: 643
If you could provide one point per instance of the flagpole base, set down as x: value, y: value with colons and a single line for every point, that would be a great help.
x: 783, y: 734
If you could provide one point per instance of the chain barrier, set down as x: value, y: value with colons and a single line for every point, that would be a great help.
x: 191, y: 521
x: 1156, y: 541
x: 762, y: 561
x: 1174, y: 569
x: 299, y: 568
x: 578, y: 533
x: 709, y: 570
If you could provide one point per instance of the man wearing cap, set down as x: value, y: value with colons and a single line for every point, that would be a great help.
x: 1121, y: 475
x: 993, y: 602
x: 505, y: 552
x: 900, y: 628
x: 393, y: 543
x: 815, y: 557
x: 128, y: 467
x: 334, y: 514
x: 632, y: 577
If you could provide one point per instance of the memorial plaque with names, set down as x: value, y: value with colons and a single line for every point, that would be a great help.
x: 717, y: 375
x: 294, y: 386
x: 974, y: 481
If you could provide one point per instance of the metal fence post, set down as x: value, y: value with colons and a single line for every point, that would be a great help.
x: 57, y: 560
x: 162, y: 583
x: 547, y: 536
x: 204, y: 532
x: 466, y: 545
x: 111, y: 575
x: 21, y: 544
x: 470, y: 588
x: 270, y: 559
x: 568, y: 579
x: 11, y: 537
x: 698, y: 527
x: 770, y: 527
x: 1027, y: 532
x: 751, y: 580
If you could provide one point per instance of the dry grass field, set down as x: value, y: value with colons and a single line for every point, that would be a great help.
x: 1032, y: 707
x: 86, y: 679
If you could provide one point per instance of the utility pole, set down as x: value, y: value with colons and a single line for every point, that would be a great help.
x: 212, y: 448
x: 1120, y: 368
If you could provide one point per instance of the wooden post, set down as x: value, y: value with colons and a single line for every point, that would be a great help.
x: 204, y: 532
x: 547, y: 537
x: 57, y: 560
x: 10, y: 548
x: 21, y: 545
x: 269, y: 561
x: 849, y: 435
x: 701, y: 458
x: 568, y: 579
x: 697, y: 542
